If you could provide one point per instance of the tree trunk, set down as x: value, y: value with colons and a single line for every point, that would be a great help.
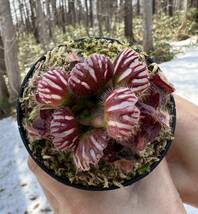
x: 121, y: 10
x: 65, y: 12
x: 196, y: 15
x: 54, y: 11
x: 4, y: 96
x: 72, y: 12
x: 22, y: 18
x: 63, y: 19
x: 107, y: 14
x: 154, y: 7
x: 184, y: 19
x: 178, y: 5
x: 170, y: 7
x: 16, y: 16
x: 86, y: 17
x: 185, y: 6
x: 10, y: 50
x: 99, y: 17
x: 157, y: 7
x: 164, y: 6
x: 49, y: 19
x: 33, y: 20
x: 2, y: 58
x: 115, y: 14
x: 91, y: 12
x: 147, y: 25
x: 41, y: 25
x: 26, y: 16
x: 80, y: 16
x: 128, y: 23
x: 138, y: 8
x: 193, y: 4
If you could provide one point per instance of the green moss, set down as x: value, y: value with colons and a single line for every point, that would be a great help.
x: 61, y: 163
x: 162, y: 52
x: 105, y: 174
x: 143, y: 169
x: 4, y: 104
x: 193, y: 29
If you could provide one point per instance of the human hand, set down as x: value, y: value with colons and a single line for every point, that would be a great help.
x: 154, y: 194
x: 183, y: 154
x: 182, y: 161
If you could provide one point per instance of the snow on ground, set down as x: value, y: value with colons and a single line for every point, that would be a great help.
x: 183, y: 70
x: 19, y: 191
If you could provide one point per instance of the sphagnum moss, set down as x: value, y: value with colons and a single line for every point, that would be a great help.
x: 104, y: 174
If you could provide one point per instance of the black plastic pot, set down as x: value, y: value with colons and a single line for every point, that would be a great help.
x: 65, y: 181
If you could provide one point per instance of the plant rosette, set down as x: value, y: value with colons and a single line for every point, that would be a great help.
x: 96, y: 114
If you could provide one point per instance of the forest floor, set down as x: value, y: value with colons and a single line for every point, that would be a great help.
x: 19, y: 191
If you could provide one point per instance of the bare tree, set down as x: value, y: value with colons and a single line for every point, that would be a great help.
x: 33, y: 20
x: 196, y: 15
x: 185, y: 5
x: 184, y: 19
x: 91, y: 12
x: 54, y: 11
x: 138, y: 8
x: 99, y: 17
x: 121, y: 10
x: 10, y: 50
x: 22, y: 18
x: 106, y: 10
x: 4, y: 96
x: 49, y: 19
x: 80, y: 13
x: 170, y: 7
x: 41, y: 24
x: 26, y: 15
x: 15, y: 15
x: 63, y: 17
x: 147, y: 25
x: 128, y: 23
x: 154, y: 6
x: 178, y: 4
x: 71, y: 12
x: 87, y: 17
x: 164, y: 5
x: 115, y: 17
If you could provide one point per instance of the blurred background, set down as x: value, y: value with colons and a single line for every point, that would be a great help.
x: 166, y: 29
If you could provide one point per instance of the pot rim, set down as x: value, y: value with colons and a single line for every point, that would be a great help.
x: 65, y: 181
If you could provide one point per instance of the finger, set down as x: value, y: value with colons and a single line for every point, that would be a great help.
x: 32, y: 165
x: 182, y: 157
x: 158, y: 190
x: 71, y: 195
x: 58, y: 194
x: 41, y: 175
x: 51, y: 199
x: 44, y: 183
x: 59, y: 190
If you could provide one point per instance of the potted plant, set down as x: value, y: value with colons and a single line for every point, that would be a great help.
x: 96, y: 114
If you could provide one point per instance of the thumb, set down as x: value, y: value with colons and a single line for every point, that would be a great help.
x: 32, y: 165
x: 44, y: 179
